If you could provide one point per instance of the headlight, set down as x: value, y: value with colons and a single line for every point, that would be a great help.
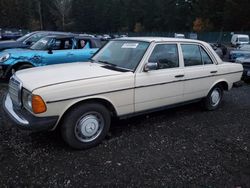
x: 27, y: 100
x: 33, y: 103
x: 4, y: 57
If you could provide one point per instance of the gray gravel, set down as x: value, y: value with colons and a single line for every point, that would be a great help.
x: 181, y: 147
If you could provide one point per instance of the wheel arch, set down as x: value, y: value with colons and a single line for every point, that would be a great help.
x: 223, y: 83
x: 8, y: 72
x: 20, y: 63
x: 105, y: 102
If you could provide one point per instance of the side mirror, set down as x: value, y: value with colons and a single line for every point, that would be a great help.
x: 150, y: 66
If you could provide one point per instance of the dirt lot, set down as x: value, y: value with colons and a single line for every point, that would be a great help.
x: 181, y: 147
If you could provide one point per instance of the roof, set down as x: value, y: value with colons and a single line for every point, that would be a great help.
x: 158, y: 39
x: 59, y: 36
x: 53, y: 32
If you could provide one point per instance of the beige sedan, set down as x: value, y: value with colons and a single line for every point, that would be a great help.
x: 127, y: 77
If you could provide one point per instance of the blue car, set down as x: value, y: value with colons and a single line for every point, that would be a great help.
x: 29, y: 39
x: 47, y: 51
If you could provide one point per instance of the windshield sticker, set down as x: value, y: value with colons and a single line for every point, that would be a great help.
x: 130, y: 45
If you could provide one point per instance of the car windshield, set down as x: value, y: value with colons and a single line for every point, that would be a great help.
x: 41, y: 44
x: 243, y: 39
x: 121, y: 54
x: 23, y: 38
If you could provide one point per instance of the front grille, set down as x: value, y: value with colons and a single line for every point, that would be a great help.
x: 15, y: 91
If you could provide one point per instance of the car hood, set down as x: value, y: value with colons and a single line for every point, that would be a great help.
x: 58, y: 74
x: 243, y: 60
x: 240, y: 52
x: 10, y: 44
x: 19, y: 52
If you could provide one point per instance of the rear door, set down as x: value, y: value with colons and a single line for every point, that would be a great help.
x: 85, y: 50
x: 200, y: 71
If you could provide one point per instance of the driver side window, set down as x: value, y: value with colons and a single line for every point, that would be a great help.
x: 166, y: 55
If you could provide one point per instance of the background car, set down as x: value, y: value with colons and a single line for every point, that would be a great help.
x: 245, y: 61
x: 47, y: 51
x: 241, y: 51
x: 217, y: 49
x: 10, y: 34
x: 239, y: 39
x: 28, y: 39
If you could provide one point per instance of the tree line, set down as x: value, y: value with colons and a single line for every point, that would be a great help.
x: 111, y: 16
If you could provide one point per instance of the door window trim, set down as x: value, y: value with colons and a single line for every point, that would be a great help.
x: 210, y: 55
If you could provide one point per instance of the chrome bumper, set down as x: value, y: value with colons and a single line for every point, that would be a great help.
x: 8, y: 107
x: 27, y: 121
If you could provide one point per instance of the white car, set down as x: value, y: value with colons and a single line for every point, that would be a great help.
x: 127, y: 77
x: 239, y: 39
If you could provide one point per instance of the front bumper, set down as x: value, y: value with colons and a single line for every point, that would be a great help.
x: 25, y: 120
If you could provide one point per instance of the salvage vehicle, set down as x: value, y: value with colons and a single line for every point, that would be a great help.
x: 127, y: 77
x: 245, y: 61
x: 11, y: 34
x: 241, y: 51
x: 28, y: 39
x: 239, y: 39
x: 47, y: 51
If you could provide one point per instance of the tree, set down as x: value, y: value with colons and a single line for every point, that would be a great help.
x: 61, y: 10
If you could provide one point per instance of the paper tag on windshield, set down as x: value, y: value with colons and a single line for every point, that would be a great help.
x: 130, y: 45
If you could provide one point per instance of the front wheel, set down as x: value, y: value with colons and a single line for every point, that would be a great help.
x: 86, y: 126
x: 214, y: 98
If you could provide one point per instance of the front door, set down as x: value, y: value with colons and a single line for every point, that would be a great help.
x: 63, y: 51
x: 161, y: 87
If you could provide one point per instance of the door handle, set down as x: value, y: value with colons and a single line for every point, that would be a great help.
x: 213, y: 72
x: 179, y: 76
x: 69, y: 54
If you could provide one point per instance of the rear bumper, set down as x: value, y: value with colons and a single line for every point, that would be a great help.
x: 25, y: 120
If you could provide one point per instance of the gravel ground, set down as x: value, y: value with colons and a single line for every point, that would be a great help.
x: 181, y: 147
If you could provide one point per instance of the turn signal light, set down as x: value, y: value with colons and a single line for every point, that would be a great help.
x: 38, y: 105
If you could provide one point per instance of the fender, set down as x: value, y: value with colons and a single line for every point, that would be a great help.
x: 224, y: 83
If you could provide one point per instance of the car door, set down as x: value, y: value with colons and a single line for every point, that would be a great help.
x: 84, y: 53
x: 62, y: 52
x: 200, y: 71
x: 161, y: 87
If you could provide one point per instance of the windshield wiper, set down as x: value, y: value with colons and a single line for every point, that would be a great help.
x: 108, y: 63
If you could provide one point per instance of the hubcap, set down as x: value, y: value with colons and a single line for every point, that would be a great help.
x: 89, y: 127
x: 215, y: 97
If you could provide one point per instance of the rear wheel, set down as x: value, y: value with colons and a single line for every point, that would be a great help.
x: 214, y: 98
x: 86, y: 126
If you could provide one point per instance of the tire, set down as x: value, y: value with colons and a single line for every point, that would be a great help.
x: 21, y: 67
x: 85, y: 126
x: 214, y: 98
x: 24, y: 66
